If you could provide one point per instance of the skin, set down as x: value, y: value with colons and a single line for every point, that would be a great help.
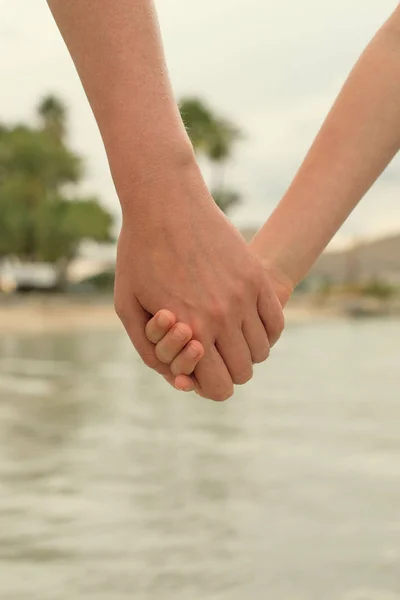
x: 357, y: 141
x: 359, y: 138
x: 183, y: 353
x: 182, y: 356
x: 187, y: 257
x: 176, y: 249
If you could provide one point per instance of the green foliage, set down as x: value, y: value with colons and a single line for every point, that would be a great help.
x: 226, y: 199
x: 103, y: 281
x: 39, y: 219
x: 378, y: 289
x: 326, y: 287
x: 209, y: 133
x: 52, y: 114
x: 222, y: 137
x: 199, y: 122
x: 214, y: 138
x: 44, y: 163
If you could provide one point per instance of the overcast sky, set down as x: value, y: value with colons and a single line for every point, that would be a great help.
x: 272, y: 67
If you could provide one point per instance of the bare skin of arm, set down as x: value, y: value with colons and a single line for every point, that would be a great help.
x: 359, y: 138
x: 176, y: 249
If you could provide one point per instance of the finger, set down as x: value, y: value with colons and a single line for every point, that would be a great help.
x: 186, y: 361
x: 135, y: 322
x: 184, y: 383
x: 181, y: 383
x: 256, y: 338
x: 236, y: 355
x: 213, y: 376
x: 271, y: 314
x: 159, y: 325
x: 175, y: 341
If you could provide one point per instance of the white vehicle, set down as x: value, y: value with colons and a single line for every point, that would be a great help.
x: 18, y: 276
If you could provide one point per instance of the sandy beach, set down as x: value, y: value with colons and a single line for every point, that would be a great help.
x: 38, y: 314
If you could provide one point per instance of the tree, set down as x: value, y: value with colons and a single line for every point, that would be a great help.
x: 226, y: 199
x: 223, y: 137
x: 52, y: 114
x: 214, y: 138
x: 199, y: 122
x: 40, y: 220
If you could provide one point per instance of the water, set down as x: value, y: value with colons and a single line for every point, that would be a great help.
x: 113, y: 486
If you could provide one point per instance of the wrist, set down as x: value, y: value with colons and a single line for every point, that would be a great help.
x: 144, y: 141
x: 281, y: 282
x: 141, y: 174
x: 160, y: 190
x: 274, y: 260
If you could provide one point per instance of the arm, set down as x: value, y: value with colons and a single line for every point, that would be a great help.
x: 176, y: 249
x: 357, y: 141
x: 116, y: 48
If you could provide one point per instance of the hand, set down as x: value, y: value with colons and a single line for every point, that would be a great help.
x: 182, y: 355
x: 178, y: 251
x: 181, y: 352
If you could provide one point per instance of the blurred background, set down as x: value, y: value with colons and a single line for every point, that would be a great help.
x: 114, y: 486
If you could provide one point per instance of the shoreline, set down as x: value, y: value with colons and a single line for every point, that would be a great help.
x: 57, y: 314
x: 42, y: 314
x: 37, y: 314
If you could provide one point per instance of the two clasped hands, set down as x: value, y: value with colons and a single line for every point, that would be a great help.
x: 224, y: 303
x: 220, y: 300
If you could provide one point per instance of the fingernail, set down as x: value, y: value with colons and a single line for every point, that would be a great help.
x: 163, y: 320
x: 193, y: 351
x: 180, y: 389
x: 179, y: 334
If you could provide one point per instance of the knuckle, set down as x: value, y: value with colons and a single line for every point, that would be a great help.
x: 120, y: 307
x: 239, y: 295
x: 199, y: 329
x: 240, y: 291
x: 219, y: 312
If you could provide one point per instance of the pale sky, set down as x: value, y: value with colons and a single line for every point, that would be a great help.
x: 273, y: 67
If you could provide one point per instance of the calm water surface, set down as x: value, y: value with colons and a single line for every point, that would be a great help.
x: 114, y: 487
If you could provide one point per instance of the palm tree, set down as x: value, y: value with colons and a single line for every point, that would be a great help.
x: 226, y: 199
x: 52, y: 113
x: 214, y: 138
x: 223, y: 136
x: 198, y: 120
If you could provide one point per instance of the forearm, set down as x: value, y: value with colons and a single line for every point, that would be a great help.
x: 117, y: 50
x: 358, y: 140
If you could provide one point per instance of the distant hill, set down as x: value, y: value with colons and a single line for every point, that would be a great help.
x: 377, y: 259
